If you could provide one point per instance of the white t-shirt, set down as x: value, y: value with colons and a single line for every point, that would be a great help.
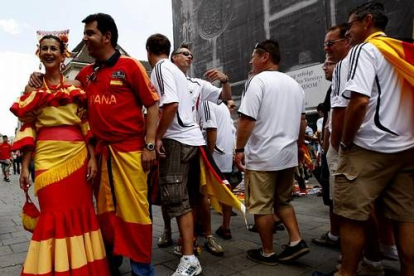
x: 200, y: 91
x: 218, y: 117
x: 309, y: 132
x: 339, y: 78
x: 319, y: 124
x: 388, y: 124
x: 276, y: 101
x: 171, y: 85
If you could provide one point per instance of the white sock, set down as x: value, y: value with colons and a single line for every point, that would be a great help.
x: 332, y: 237
x: 190, y: 258
x: 294, y: 243
x: 266, y: 254
x: 372, y: 263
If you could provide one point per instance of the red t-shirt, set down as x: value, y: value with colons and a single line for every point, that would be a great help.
x: 116, y: 97
x: 5, y: 149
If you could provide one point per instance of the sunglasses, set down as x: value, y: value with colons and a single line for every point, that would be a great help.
x: 92, y: 76
x: 260, y: 46
x: 350, y: 23
x: 332, y: 42
x: 186, y: 54
x: 232, y: 106
x: 327, y: 64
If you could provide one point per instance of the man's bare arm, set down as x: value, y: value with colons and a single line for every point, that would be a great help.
x: 244, y: 131
x: 167, y: 116
x: 354, y: 116
x: 211, y: 139
x: 303, y: 123
x: 148, y: 157
x: 213, y: 75
x: 338, y: 116
x: 168, y: 112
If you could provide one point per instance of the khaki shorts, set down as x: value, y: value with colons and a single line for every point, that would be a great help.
x: 363, y: 176
x: 332, y: 157
x: 179, y: 176
x: 5, y: 165
x: 267, y: 191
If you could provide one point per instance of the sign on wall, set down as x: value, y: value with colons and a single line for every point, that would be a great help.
x: 312, y: 79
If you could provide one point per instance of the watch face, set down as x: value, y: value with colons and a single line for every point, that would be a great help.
x: 150, y: 146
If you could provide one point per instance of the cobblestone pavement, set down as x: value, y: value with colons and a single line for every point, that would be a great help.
x: 312, y: 217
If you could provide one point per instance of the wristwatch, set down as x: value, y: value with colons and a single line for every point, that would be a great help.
x: 225, y: 81
x: 150, y: 146
x: 239, y: 150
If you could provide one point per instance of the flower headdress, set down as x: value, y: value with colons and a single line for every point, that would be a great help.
x: 62, y: 35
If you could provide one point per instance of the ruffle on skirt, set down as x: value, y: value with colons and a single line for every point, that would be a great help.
x: 67, y: 239
x: 67, y: 243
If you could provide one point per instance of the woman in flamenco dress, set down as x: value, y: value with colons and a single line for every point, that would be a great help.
x: 67, y: 239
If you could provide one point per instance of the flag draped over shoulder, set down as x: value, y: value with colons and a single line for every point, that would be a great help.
x: 399, y: 53
x: 214, y: 184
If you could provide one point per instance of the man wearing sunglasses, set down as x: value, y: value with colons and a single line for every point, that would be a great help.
x: 377, y: 141
x: 177, y: 143
x: 270, y: 132
x: 200, y: 91
x: 336, y: 46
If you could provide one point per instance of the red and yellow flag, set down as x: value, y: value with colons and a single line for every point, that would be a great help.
x: 399, y: 53
x: 214, y: 184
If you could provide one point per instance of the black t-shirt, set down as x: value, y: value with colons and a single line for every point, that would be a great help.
x: 326, y: 107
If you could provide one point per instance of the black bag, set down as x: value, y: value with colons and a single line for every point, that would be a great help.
x: 235, y: 177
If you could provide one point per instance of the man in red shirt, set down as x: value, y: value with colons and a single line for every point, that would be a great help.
x: 118, y: 88
x: 5, y: 150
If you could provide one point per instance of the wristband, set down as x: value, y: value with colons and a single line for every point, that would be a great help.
x: 239, y: 150
x: 344, y: 147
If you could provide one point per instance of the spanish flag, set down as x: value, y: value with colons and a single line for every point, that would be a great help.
x: 399, y: 53
x: 307, y: 159
x: 214, y: 184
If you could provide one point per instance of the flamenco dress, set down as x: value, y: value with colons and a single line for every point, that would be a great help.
x: 67, y: 239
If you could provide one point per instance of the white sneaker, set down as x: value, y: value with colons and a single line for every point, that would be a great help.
x: 187, y: 268
x: 389, y: 252
x: 366, y: 269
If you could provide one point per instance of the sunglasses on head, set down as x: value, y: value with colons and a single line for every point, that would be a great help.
x: 259, y: 46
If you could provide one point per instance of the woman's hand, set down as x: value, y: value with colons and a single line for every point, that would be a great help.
x: 92, y: 169
x: 24, y: 180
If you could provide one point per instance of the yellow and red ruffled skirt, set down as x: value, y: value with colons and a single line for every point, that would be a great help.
x: 67, y: 239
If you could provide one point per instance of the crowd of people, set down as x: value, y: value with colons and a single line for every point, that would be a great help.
x: 105, y: 132
x: 368, y: 137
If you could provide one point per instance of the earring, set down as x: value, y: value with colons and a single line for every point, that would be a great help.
x: 62, y: 66
x: 40, y: 66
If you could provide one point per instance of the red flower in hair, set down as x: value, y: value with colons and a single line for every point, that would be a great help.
x: 64, y: 38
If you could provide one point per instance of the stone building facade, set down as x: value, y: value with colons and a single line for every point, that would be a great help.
x: 223, y: 33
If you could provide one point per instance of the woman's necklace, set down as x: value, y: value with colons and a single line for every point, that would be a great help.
x: 54, y: 87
